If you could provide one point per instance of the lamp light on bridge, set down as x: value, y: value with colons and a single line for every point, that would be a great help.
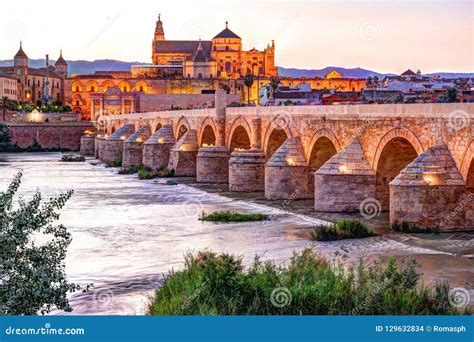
x: 290, y: 161
x: 432, y: 178
x: 123, y: 137
x: 139, y: 140
x: 161, y: 141
x: 343, y: 169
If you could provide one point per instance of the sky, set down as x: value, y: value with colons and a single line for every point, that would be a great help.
x: 381, y: 35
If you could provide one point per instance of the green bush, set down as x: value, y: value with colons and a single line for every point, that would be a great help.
x: 129, y: 170
x: 345, y: 229
x: 161, y: 172
x: 72, y: 158
x: 231, y: 216
x: 32, y: 271
x: 116, y: 163
x: 411, y: 228
x: 212, y: 284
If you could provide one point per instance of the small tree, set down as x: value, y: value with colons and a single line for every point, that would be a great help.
x: 274, y: 83
x: 32, y: 253
x: 248, y: 81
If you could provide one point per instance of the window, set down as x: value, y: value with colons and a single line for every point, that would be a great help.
x: 227, y: 48
x: 92, y: 89
x: 199, y: 75
x: 141, y: 89
x: 77, y: 88
x: 227, y: 66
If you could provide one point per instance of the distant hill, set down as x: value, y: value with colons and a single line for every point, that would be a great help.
x: 81, y: 66
x: 90, y: 67
x: 354, y: 72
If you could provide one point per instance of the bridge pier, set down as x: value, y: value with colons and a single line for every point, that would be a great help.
x: 133, y: 147
x: 431, y: 192
x: 247, y: 171
x: 99, y: 145
x: 113, y: 145
x: 344, y: 181
x: 286, y: 173
x: 183, y: 155
x: 88, y: 144
x: 212, y: 165
x: 156, y: 150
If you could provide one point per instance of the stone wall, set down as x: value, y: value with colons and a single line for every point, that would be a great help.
x: 49, y: 135
x: 158, y: 102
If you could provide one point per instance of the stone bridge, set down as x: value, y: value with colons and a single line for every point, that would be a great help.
x: 415, y: 160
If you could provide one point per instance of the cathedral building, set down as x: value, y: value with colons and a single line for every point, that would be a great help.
x: 221, y: 57
x: 31, y: 81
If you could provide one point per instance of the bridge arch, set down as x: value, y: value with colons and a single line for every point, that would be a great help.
x: 239, y: 136
x: 181, y: 127
x: 322, y: 147
x: 277, y: 131
x: 398, y: 148
x: 400, y: 132
x: 208, y: 132
x: 467, y: 166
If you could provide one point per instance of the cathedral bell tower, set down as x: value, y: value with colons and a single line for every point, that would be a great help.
x: 159, y: 32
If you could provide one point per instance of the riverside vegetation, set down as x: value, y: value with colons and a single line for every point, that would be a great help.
x: 32, y: 274
x: 232, y: 216
x: 344, y: 229
x: 218, y: 284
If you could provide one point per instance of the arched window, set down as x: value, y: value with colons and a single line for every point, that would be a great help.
x: 227, y: 48
x: 199, y: 75
x: 227, y: 66
x: 77, y: 88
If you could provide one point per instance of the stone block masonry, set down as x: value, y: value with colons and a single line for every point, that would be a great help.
x: 247, y: 171
x: 212, y: 165
x: 133, y: 147
x: 183, y: 155
x: 113, y: 146
x: 49, y: 135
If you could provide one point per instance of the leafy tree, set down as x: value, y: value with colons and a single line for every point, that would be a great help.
x: 248, y: 81
x: 32, y: 253
x: 451, y: 95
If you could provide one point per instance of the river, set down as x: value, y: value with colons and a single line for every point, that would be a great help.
x: 128, y: 234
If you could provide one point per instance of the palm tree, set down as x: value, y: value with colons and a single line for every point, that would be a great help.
x: 4, y: 106
x: 248, y: 81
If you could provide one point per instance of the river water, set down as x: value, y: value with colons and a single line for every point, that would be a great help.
x: 128, y: 234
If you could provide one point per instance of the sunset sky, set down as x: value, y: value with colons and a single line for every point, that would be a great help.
x: 385, y: 36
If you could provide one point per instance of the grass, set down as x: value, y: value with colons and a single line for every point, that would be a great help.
x: 232, y: 216
x: 162, y: 172
x: 116, y: 163
x: 345, y: 229
x: 129, y: 170
x: 72, y: 158
x: 212, y: 284
x: 411, y: 228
